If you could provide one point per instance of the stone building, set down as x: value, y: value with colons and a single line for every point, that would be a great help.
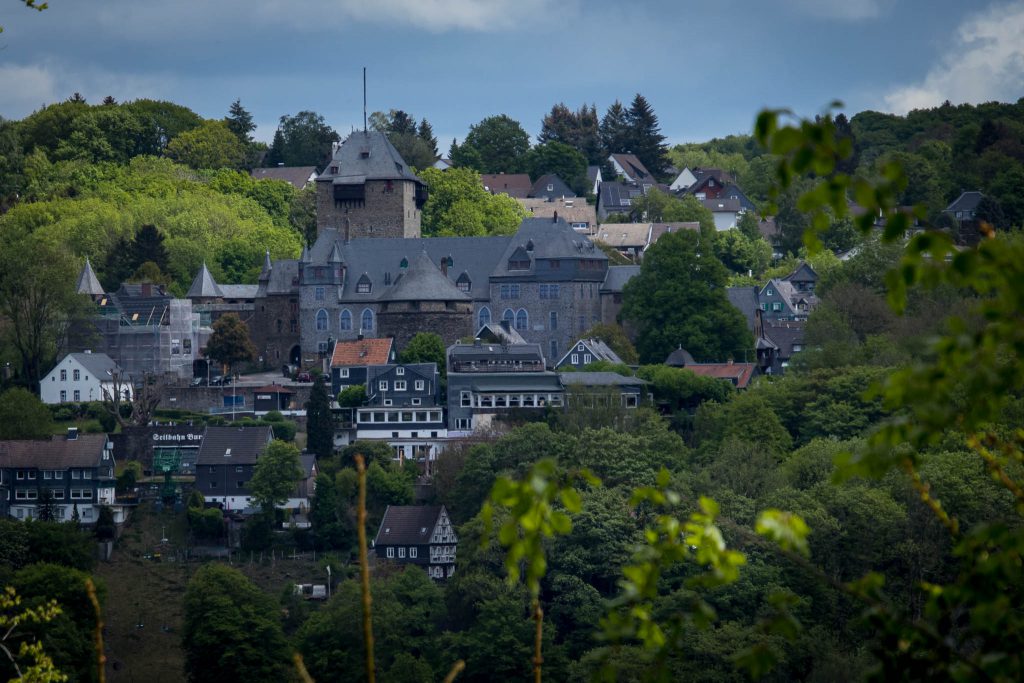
x: 367, y: 190
x: 423, y: 299
x: 275, y: 319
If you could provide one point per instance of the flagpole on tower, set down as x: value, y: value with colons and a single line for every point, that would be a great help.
x: 364, y: 99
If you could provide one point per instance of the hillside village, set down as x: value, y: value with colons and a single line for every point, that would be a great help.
x: 220, y: 346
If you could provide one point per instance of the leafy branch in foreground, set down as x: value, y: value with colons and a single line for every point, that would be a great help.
x: 534, y: 516
x: 38, y: 666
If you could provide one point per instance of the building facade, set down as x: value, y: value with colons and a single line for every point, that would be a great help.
x: 422, y: 535
x: 84, y: 376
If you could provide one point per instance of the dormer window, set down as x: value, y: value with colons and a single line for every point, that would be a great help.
x: 334, y: 170
x: 551, y: 187
x: 464, y: 283
x: 404, y: 263
x: 364, y: 286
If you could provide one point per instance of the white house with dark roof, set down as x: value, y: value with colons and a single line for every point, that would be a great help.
x: 65, y: 473
x: 587, y: 351
x: 80, y: 377
x: 422, y: 535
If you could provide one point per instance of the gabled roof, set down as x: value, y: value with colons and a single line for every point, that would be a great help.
x: 803, y: 273
x: 967, y: 201
x: 572, y: 210
x: 233, y: 445
x: 625, y: 235
x: 613, y: 194
x: 552, y: 239
x: 55, y: 453
x: 88, y: 283
x: 500, y: 332
x: 423, y: 281
x: 512, y: 184
x: 483, y: 353
x: 366, y: 155
x: 784, y: 335
x: 559, y: 188
x: 732, y: 191
x: 283, y: 278
x: 97, y: 364
x: 593, y: 172
x: 597, y: 348
x: 362, y: 352
x: 204, y: 286
x: 297, y: 176
x: 723, y: 205
x: 632, y: 168
x: 408, y: 524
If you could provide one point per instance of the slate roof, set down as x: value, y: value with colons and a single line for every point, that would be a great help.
x: 513, y: 184
x: 297, y: 176
x: 803, y: 273
x: 377, y: 256
x: 381, y: 161
x: 634, y: 168
x: 407, y: 525
x: 96, y: 363
x: 233, y: 445
x: 768, y: 229
x: 592, y: 173
x: 139, y: 308
x: 239, y: 291
x: 204, y: 286
x: 679, y: 358
x: 362, y: 352
x: 617, y: 276
x: 559, y: 188
x: 551, y: 239
x: 600, y: 379
x: 282, y: 279
x: 625, y: 235
x: 734, y: 192
x: 785, y: 335
x: 514, y: 381
x: 56, y: 453
x: 722, y: 204
x: 423, y: 281
x: 307, y: 462
x: 967, y: 201
x: 597, y: 348
x: 88, y: 283
x: 746, y: 302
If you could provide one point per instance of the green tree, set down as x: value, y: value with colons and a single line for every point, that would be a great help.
x: 230, y: 344
x: 499, y: 143
x: 425, y: 347
x: 38, y: 302
x: 23, y: 416
x: 239, y: 122
x: 678, y: 298
x: 561, y: 160
x: 615, y: 130
x: 231, y: 629
x: 211, y: 145
x: 353, y: 396
x: 459, y: 205
x: 276, y: 473
x: 161, y: 121
x: 302, y: 140
x: 319, y: 425
x: 645, y: 138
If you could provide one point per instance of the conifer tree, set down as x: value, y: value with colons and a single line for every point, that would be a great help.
x: 646, y: 140
x: 426, y: 133
x: 319, y: 425
x: 615, y: 129
x: 240, y: 122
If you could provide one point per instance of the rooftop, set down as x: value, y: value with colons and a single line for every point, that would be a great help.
x: 408, y: 524
x: 56, y: 453
x: 362, y: 352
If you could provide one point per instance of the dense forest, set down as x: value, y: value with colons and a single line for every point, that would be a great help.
x: 890, y: 452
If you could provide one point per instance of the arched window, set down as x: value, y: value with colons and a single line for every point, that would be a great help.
x: 485, y: 316
x: 321, y: 320
x: 367, y: 320
x: 345, y: 321
x: 522, y: 320
x: 509, y: 316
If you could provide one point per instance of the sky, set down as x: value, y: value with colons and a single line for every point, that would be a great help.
x: 705, y: 67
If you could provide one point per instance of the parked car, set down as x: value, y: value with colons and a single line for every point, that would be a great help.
x: 216, y: 381
x: 198, y: 381
x: 303, y: 377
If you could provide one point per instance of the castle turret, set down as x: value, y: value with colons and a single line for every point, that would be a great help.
x: 88, y: 283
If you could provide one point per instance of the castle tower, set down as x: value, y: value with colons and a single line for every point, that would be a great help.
x: 367, y: 190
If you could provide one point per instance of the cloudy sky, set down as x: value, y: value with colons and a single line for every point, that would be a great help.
x: 706, y: 67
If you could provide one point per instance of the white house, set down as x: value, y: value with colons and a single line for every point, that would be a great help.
x: 84, y: 376
x: 684, y: 180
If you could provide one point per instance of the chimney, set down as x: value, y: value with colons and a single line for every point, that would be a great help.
x: 444, y: 266
x: 555, y: 218
x: 72, y: 433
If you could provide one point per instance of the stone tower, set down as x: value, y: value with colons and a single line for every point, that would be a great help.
x: 367, y: 190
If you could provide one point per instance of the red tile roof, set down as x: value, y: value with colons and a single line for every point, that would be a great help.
x: 739, y: 373
x: 362, y: 352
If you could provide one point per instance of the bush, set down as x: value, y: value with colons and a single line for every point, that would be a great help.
x: 273, y: 416
x: 206, y: 524
x: 196, y: 500
x: 285, y: 431
x: 257, y: 532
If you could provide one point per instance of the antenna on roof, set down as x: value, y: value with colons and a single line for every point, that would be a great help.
x: 364, y: 99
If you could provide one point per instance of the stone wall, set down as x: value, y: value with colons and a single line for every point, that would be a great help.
x: 272, y: 313
x: 451, y: 321
x: 577, y: 308
x: 387, y: 210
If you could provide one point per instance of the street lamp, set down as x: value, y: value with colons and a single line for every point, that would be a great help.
x: 328, y: 582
